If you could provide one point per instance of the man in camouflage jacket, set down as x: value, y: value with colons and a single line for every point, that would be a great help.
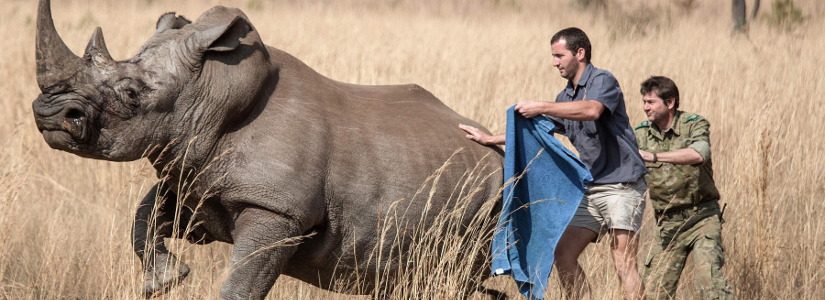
x: 676, y: 149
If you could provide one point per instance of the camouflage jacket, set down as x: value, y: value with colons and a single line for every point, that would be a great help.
x: 672, y: 186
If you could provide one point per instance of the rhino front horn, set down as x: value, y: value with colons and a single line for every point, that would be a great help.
x: 96, y: 49
x: 55, y: 61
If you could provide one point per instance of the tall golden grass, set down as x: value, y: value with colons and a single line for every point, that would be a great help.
x: 65, y: 221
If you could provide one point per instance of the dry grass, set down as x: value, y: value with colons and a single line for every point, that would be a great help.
x: 65, y: 221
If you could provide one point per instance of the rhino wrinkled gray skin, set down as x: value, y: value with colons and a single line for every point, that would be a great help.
x: 279, y: 151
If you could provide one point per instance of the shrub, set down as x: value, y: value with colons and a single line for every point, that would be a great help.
x: 785, y: 15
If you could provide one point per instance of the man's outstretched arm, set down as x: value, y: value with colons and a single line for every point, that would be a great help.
x: 695, y: 153
x: 685, y: 156
x: 584, y: 110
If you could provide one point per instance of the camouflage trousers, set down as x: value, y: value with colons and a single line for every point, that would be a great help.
x: 666, y: 260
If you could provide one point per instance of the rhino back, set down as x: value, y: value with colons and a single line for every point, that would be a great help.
x: 368, y: 141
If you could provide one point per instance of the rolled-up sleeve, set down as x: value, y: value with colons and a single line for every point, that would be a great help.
x: 605, y: 89
x: 700, y: 138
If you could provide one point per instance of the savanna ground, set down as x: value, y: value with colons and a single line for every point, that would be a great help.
x: 65, y: 221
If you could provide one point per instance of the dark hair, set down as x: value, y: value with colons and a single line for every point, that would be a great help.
x: 664, y: 87
x: 575, y: 38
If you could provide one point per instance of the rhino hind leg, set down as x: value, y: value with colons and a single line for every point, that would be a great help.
x: 153, y: 223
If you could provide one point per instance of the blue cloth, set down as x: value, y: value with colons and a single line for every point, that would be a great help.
x: 538, y: 206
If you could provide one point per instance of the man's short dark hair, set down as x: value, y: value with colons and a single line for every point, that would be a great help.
x: 664, y: 87
x: 575, y: 38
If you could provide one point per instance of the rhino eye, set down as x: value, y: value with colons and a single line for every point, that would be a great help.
x: 129, y: 96
x: 130, y: 93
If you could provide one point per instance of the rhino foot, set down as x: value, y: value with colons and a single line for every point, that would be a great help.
x: 167, y: 271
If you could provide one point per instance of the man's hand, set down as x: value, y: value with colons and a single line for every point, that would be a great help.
x: 529, y: 109
x: 646, y: 156
x: 480, y: 137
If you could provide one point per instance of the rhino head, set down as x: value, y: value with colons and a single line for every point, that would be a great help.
x: 188, y: 79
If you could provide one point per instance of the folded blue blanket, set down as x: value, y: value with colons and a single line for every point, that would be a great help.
x: 546, y: 185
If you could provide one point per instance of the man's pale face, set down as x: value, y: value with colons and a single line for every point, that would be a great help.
x: 655, y: 107
x: 564, y: 60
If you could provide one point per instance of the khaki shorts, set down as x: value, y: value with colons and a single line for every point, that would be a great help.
x: 612, y: 206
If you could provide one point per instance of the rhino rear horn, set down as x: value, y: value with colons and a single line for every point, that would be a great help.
x: 96, y: 50
x: 55, y: 61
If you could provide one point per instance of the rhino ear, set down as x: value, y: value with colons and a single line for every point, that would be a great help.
x: 171, y: 21
x: 223, y: 36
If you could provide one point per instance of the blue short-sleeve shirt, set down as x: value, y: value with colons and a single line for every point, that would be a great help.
x: 606, y: 145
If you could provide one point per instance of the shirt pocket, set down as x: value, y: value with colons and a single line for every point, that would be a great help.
x: 589, y: 128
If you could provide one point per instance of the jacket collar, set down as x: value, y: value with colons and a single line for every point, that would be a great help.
x: 571, y: 90
x: 673, y: 127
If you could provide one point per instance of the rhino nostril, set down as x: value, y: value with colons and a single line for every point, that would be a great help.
x: 74, y: 113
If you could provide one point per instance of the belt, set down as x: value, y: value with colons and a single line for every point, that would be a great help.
x: 627, y: 183
x: 704, y: 209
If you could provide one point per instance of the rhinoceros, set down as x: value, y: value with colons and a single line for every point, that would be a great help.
x: 268, y: 150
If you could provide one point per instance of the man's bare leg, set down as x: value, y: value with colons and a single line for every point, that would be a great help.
x: 624, y: 245
x: 571, y: 245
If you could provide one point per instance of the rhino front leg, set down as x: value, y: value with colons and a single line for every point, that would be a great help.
x: 261, y: 251
x: 154, y: 221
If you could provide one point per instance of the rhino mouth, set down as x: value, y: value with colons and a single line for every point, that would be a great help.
x: 65, y: 128
x: 59, y: 139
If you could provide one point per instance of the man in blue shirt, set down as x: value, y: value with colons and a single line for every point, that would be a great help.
x: 591, y: 112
